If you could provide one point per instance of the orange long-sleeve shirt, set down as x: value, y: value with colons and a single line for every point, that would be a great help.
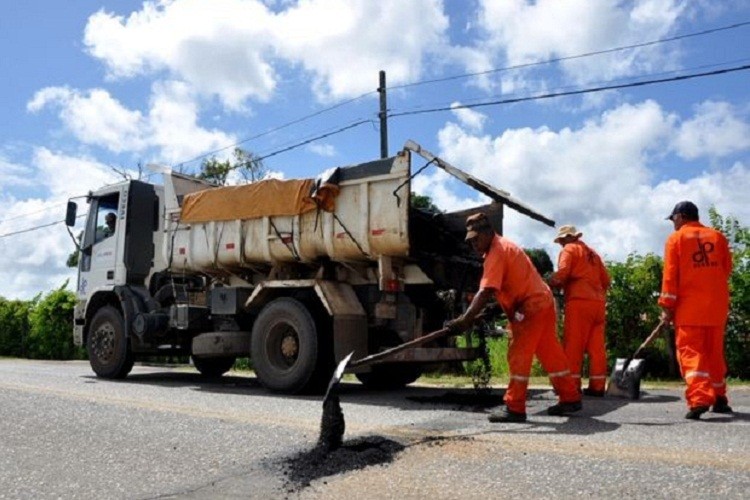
x: 695, y: 283
x: 581, y: 273
x: 514, y: 279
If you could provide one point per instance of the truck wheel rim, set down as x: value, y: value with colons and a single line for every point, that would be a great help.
x: 104, y: 342
x: 283, y: 346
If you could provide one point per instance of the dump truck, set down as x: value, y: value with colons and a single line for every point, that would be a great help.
x: 293, y: 274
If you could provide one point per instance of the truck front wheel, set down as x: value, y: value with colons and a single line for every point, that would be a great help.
x: 107, y: 345
x: 284, y: 346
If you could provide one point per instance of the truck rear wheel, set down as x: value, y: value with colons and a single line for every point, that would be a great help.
x: 284, y: 346
x: 390, y: 376
x: 213, y: 367
x: 107, y: 344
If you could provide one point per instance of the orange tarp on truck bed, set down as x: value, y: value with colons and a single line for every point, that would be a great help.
x: 270, y: 197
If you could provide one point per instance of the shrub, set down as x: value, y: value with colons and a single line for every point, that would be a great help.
x: 51, y: 327
x: 14, y: 326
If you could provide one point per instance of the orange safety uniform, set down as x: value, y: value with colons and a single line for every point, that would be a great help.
x: 529, y: 305
x: 695, y: 285
x: 584, y: 280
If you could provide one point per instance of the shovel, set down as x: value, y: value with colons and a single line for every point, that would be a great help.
x: 625, y: 380
x: 344, y: 363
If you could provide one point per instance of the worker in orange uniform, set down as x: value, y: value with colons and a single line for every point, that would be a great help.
x: 584, y: 280
x: 510, y: 276
x: 695, y: 297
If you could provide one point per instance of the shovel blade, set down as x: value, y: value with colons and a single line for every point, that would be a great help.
x: 337, y: 374
x: 625, y: 380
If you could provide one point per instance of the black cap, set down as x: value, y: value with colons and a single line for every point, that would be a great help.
x: 686, y: 208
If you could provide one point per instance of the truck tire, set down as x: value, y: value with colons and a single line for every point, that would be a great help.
x: 213, y: 367
x: 390, y: 376
x: 284, y: 346
x: 107, y: 344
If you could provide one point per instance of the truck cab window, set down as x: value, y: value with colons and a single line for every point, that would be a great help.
x: 106, y: 217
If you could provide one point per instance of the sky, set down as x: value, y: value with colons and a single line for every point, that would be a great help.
x: 93, y: 89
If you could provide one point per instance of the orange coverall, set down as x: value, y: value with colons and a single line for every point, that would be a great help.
x: 529, y: 305
x: 584, y: 280
x: 695, y: 284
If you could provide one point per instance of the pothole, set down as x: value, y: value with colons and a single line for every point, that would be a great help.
x: 301, y: 469
x: 477, y: 401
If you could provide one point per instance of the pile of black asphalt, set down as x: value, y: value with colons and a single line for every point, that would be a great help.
x: 332, y: 455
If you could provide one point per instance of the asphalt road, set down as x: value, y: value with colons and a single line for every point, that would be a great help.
x: 166, y: 433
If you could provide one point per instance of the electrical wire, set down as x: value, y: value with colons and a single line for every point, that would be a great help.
x: 598, y: 82
x: 34, y: 228
x: 21, y: 216
x: 316, y: 138
x: 276, y: 129
x: 28, y: 230
x: 577, y: 56
x: 573, y: 92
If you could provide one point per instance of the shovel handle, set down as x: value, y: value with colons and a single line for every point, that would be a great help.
x: 650, y: 338
x: 412, y: 343
x: 393, y: 350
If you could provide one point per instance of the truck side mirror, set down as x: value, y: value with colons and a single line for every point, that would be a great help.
x: 70, y: 214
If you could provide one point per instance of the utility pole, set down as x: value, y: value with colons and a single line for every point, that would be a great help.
x: 383, y: 117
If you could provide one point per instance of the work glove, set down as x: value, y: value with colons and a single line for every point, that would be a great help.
x: 458, y: 325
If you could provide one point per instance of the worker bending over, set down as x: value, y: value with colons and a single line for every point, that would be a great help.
x: 582, y: 276
x: 528, y: 303
x: 695, y: 297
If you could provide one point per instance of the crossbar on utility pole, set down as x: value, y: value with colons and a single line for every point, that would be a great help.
x: 383, y: 117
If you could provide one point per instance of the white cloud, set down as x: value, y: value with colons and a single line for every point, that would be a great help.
x: 469, y: 118
x: 34, y: 261
x: 173, y: 118
x: 230, y: 48
x: 600, y: 177
x: 320, y: 149
x: 13, y: 175
x: 63, y: 176
x: 344, y: 43
x: 715, y: 131
x: 95, y: 117
x: 219, y: 47
x: 525, y: 31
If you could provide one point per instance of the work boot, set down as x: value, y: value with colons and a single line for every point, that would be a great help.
x: 593, y: 393
x: 721, y: 405
x: 561, y: 409
x: 505, y: 415
x: 696, y: 412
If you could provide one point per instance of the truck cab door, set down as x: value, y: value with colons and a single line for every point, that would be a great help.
x: 101, y: 245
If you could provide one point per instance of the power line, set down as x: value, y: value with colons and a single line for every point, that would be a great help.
x: 574, y: 92
x: 577, y: 56
x: 598, y: 82
x: 316, y: 138
x: 28, y: 230
x: 34, y: 228
x: 280, y: 127
x: 20, y: 216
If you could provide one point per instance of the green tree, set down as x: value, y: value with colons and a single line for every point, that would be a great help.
x: 14, y: 326
x: 249, y: 166
x: 73, y: 257
x: 738, y: 324
x: 541, y: 260
x: 51, y: 327
x: 632, y: 311
x: 424, y: 202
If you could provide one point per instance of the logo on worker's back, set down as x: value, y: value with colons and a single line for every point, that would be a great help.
x: 701, y: 256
